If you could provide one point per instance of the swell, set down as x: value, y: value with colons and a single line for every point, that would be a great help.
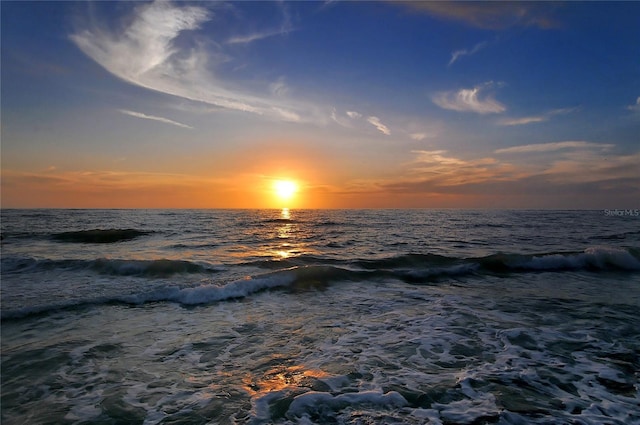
x: 591, y: 259
x: 115, y: 267
x: 419, y: 268
x: 99, y: 235
x: 411, y: 268
x: 618, y: 236
x: 295, y: 279
x: 594, y: 259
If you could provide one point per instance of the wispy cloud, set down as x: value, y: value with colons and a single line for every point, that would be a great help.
x: 285, y: 28
x: 146, y: 54
x: 522, y: 120
x: 248, y: 38
x: 562, y: 111
x: 591, y: 167
x: 490, y: 15
x: 439, y: 168
x: 287, y: 115
x: 576, y: 162
x: 154, y: 118
x: 536, y: 118
x: 418, y: 136
x: 635, y: 106
x: 279, y: 88
x: 555, y: 146
x: 343, y: 119
x: 466, y: 52
x: 375, y: 121
x: 470, y: 100
x: 145, y: 45
x: 563, y: 173
x: 357, y: 120
x: 403, y: 129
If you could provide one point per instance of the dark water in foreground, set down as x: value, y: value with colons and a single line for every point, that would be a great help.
x: 347, y: 317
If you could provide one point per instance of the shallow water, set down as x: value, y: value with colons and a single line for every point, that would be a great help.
x: 321, y: 317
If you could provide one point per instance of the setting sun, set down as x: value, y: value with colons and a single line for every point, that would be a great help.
x: 285, y: 189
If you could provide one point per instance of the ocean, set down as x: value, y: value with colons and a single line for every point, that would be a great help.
x: 320, y: 317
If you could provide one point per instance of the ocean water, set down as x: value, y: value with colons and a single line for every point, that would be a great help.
x: 316, y: 317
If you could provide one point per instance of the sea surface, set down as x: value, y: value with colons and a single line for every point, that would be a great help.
x: 320, y: 317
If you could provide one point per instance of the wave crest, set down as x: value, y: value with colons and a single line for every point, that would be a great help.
x: 412, y: 268
x: 591, y: 259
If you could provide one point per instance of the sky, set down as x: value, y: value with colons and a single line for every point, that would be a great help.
x: 361, y: 104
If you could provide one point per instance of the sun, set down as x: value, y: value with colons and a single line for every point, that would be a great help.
x: 285, y: 189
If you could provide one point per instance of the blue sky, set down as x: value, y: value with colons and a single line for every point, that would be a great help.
x: 364, y: 104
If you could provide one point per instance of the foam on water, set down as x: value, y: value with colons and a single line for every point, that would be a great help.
x: 238, y: 289
x: 317, y: 404
x: 598, y: 258
x: 388, y: 352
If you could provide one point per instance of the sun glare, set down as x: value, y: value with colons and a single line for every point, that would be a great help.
x: 285, y: 189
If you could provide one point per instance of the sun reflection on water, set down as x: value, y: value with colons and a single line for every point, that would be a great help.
x: 283, y: 254
x: 286, y: 231
x: 281, y: 377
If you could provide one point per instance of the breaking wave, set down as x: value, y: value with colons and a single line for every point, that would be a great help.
x: 304, y: 273
x: 592, y: 259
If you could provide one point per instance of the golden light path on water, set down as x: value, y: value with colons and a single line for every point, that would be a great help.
x: 285, y: 233
x: 280, y: 377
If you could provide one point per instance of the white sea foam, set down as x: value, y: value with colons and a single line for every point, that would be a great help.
x: 592, y: 258
x: 619, y: 257
x: 237, y: 289
x: 405, y: 353
x: 314, y: 402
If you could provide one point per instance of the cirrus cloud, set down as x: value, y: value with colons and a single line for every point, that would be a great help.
x: 153, y: 52
x: 490, y: 15
x: 536, y: 118
x: 466, y: 52
x: 418, y: 136
x: 154, y: 118
x: 562, y: 173
x: 635, y: 106
x: 375, y: 121
x: 555, y: 146
x: 470, y: 100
